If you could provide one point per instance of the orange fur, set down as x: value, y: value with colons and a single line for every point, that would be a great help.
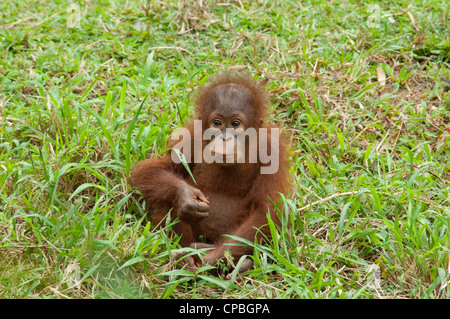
x: 239, y: 196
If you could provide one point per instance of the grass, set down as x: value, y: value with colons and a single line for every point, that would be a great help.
x: 89, y: 89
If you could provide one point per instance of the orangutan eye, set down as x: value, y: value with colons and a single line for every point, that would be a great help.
x: 217, y: 123
x: 235, y: 123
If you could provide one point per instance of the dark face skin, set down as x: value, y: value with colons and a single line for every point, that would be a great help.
x: 229, y: 113
x: 231, y: 107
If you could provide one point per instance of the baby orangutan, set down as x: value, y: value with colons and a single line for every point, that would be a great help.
x: 239, y: 169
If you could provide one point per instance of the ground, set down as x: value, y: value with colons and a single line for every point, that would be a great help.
x: 92, y: 87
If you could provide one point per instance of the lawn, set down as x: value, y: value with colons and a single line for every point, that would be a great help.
x: 89, y: 88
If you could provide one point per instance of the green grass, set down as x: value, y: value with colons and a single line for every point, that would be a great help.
x: 361, y: 89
